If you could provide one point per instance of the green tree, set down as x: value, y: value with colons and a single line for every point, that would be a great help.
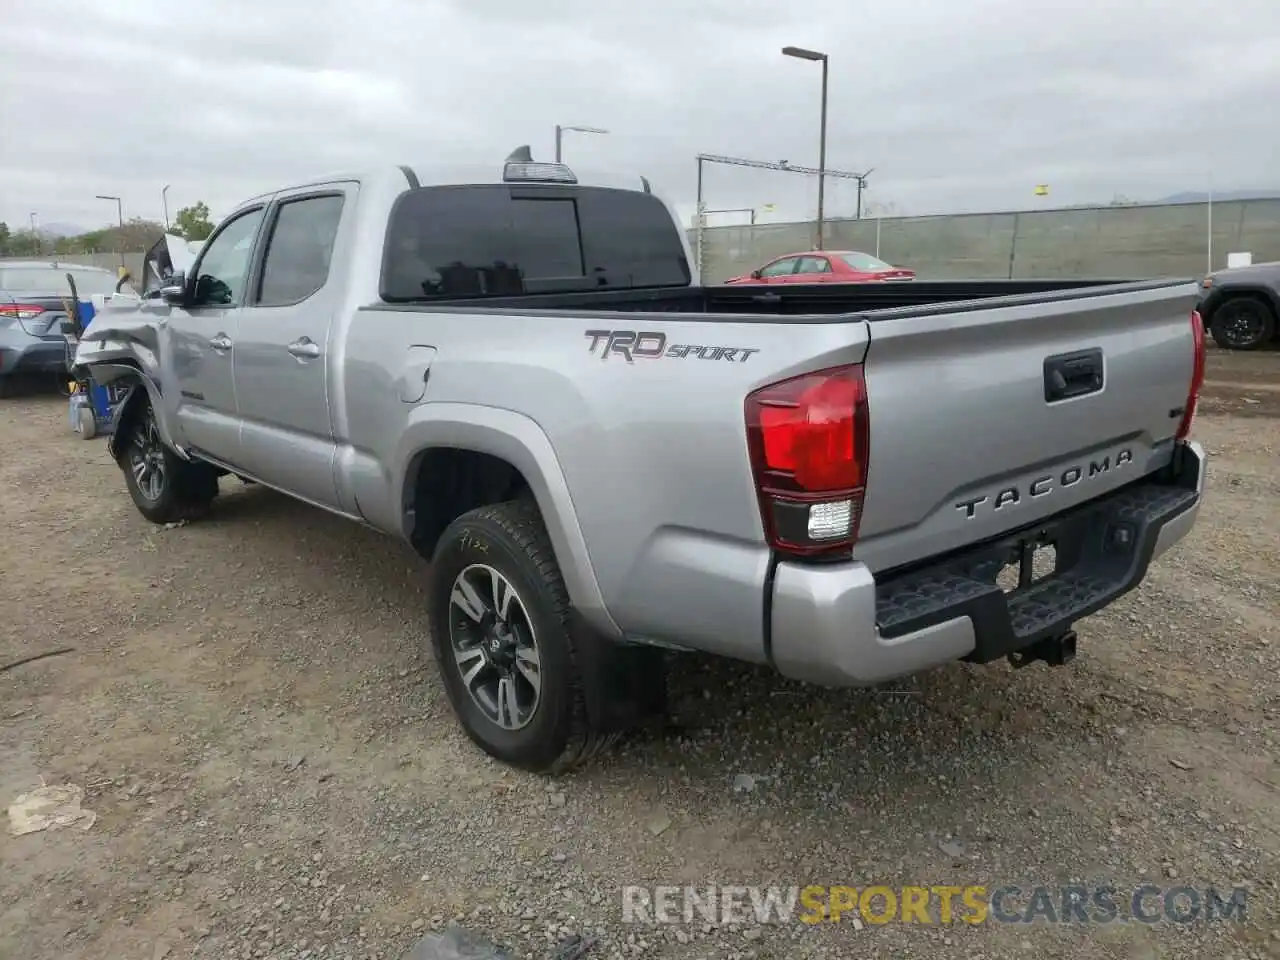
x: 4, y: 239
x: 24, y: 243
x: 193, y: 222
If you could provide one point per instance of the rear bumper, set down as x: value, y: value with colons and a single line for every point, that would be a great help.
x: 837, y: 626
x: 38, y: 356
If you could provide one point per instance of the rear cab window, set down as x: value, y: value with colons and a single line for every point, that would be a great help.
x: 507, y: 239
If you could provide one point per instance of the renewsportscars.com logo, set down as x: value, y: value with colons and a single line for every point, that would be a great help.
x: 932, y: 905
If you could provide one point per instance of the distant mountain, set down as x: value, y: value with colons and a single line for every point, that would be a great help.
x: 61, y: 229
x: 1202, y: 196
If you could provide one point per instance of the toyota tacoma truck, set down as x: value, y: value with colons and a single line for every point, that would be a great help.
x: 515, y: 370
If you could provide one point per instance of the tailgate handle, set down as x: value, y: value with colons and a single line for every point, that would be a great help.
x: 1070, y: 375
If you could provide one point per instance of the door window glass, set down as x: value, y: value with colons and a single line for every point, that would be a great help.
x: 814, y: 265
x: 224, y: 265
x: 299, y: 250
x: 779, y: 268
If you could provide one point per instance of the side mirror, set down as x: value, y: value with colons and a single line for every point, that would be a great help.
x: 755, y: 274
x: 174, y: 289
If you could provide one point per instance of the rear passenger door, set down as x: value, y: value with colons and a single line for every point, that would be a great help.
x: 282, y: 358
x: 814, y: 270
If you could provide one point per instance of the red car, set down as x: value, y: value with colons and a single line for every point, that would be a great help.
x: 826, y: 266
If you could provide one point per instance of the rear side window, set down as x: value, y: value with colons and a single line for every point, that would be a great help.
x: 502, y: 240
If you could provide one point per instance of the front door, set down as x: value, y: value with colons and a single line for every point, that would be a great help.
x: 779, y: 271
x: 282, y: 351
x: 203, y: 340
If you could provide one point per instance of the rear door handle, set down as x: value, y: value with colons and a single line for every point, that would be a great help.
x: 304, y: 348
x: 1070, y: 375
x: 221, y: 343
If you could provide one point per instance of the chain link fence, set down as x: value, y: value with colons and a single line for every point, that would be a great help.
x: 1172, y: 240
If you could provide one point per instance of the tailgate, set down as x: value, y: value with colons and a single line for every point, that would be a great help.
x: 986, y: 417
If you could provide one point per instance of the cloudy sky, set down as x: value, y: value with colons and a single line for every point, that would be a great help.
x: 957, y: 104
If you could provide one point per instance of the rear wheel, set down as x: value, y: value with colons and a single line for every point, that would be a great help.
x: 164, y: 487
x: 499, y: 615
x: 1243, y: 323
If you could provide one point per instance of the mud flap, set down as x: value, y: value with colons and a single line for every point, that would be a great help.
x: 623, y: 685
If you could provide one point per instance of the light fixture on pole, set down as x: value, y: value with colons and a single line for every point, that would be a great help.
x: 862, y: 183
x: 802, y: 54
x: 164, y: 198
x: 561, y: 131
x: 120, y: 220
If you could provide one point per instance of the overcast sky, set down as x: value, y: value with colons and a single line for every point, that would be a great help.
x: 957, y: 104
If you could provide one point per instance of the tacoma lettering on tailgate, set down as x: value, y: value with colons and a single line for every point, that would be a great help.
x: 1043, y: 486
x: 632, y: 345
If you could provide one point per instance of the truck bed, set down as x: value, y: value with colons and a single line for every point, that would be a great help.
x: 770, y: 301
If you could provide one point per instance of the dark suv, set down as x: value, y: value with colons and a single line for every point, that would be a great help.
x: 1240, y: 305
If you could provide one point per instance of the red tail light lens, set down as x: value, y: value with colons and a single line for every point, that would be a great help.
x: 1197, y: 376
x: 808, y: 440
x: 22, y: 311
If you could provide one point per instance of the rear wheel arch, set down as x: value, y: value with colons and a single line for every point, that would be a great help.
x: 1218, y: 297
x: 508, y: 457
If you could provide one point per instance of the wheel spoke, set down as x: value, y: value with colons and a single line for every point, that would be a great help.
x: 530, y: 667
x: 472, y: 663
x: 502, y: 594
x: 156, y: 481
x: 508, y: 707
x: 140, y: 470
x: 468, y: 600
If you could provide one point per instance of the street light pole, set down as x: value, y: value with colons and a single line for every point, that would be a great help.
x: 561, y: 131
x: 803, y: 54
x: 35, y: 235
x: 120, y: 220
x: 164, y: 198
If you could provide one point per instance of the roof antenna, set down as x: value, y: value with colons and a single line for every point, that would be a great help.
x: 521, y: 155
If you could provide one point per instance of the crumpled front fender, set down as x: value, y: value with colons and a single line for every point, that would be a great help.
x: 117, y: 349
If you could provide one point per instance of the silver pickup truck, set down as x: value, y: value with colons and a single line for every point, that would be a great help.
x: 515, y: 370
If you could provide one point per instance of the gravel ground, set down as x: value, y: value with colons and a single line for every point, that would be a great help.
x: 276, y: 772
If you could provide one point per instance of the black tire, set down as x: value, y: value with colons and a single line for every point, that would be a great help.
x: 1243, y: 323
x: 511, y: 539
x: 170, y: 489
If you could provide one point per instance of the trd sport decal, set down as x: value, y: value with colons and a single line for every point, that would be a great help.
x: 632, y: 346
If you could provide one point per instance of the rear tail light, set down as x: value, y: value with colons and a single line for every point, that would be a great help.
x: 1197, y: 376
x: 21, y: 311
x: 808, y: 440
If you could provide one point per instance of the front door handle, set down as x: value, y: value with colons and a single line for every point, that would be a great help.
x: 221, y: 343
x: 305, y: 348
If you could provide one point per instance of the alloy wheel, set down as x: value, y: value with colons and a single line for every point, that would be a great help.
x: 147, y: 460
x: 495, y: 646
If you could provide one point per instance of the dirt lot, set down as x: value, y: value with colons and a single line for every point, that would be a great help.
x: 276, y: 773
